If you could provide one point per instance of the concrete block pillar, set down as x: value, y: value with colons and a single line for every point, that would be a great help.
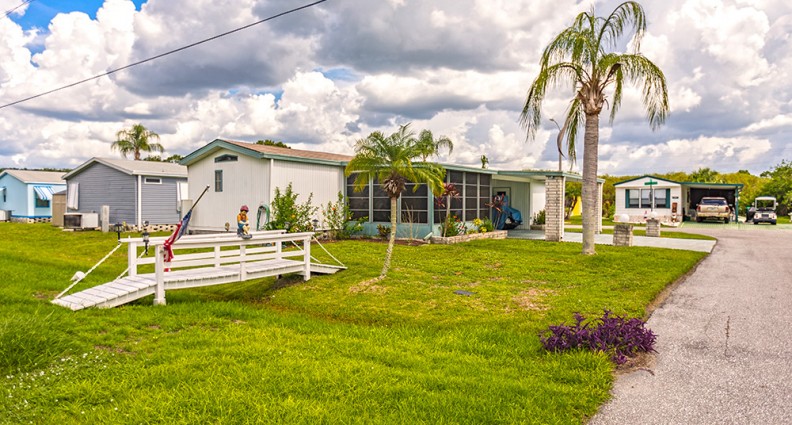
x: 622, y: 234
x: 554, y: 208
x: 653, y: 227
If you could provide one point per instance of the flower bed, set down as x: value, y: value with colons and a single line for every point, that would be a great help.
x: 496, y: 234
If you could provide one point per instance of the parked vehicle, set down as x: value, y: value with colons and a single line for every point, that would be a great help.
x: 764, y: 210
x: 713, y: 207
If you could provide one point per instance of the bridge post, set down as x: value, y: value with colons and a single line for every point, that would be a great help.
x: 242, y: 268
x: 132, y: 259
x: 307, y: 257
x: 159, y: 273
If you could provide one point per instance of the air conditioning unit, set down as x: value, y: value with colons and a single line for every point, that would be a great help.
x: 80, y: 220
x: 5, y: 215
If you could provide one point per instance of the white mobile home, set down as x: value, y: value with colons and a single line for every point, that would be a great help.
x: 671, y: 201
x: 240, y: 173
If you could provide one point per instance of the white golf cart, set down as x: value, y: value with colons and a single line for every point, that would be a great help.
x: 764, y: 210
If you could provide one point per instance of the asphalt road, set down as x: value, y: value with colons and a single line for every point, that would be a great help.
x: 724, y: 344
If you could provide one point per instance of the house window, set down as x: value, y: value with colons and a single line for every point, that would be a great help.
x: 152, y: 180
x: 661, y: 198
x: 42, y: 203
x: 633, y: 198
x: 226, y: 158
x: 218, y: 180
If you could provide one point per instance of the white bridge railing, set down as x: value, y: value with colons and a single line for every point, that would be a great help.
x: 194, y: 255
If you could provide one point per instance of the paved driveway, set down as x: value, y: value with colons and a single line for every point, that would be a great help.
x: 725, y: 341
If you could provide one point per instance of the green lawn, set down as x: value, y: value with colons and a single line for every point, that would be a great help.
x: 663, y: 233
x: 332, y: 350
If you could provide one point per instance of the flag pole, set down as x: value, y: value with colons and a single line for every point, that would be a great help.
x: 199, y: 198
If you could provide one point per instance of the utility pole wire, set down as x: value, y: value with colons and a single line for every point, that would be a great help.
x: 10, y: 11
x: 162, y: 54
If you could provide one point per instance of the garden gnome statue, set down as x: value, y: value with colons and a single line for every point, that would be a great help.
x: 243, y: 226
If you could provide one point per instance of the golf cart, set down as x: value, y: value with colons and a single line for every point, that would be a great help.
x: 764, y: 210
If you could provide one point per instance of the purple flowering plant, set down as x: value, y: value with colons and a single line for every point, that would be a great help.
x: 617, y: 335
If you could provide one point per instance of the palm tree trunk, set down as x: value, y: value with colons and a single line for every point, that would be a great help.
x: 391, y: 241
x: 590, y: 191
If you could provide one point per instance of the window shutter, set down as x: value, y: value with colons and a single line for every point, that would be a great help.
x: 668, y: 198
x: 626, y: 198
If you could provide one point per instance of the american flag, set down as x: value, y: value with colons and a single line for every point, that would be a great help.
x: 181, y: 228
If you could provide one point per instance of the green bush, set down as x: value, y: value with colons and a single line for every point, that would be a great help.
x: 383, y: 231
x: 539, y: 218
x: 337, y: 219
x: 285, y: 209
x: 453, y: 226
x: 484, y: 225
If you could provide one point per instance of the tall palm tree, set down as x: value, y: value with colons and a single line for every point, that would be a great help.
x: 392, y: 161
x: 579, y: 55
x: 430, y: 146
x: 136, y: 139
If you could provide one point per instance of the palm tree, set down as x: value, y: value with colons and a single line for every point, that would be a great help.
x: 391, y: 161
x: 136, y: 139
x: 579, y: 55
x: 429, y: 146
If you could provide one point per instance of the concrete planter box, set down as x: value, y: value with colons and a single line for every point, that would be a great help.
x: 497, y: 234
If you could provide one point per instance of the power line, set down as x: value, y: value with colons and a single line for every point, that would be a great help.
x: 162, y: 54
x: 10, y: 11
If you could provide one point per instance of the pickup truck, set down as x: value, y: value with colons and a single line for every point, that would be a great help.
x: 713, y: 207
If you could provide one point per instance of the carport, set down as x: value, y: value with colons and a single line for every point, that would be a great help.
x: 692, y: 192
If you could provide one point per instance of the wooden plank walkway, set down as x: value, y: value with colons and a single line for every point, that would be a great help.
x: 253, y: 259
x: 131, y: 288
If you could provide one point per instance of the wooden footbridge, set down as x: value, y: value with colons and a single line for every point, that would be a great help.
x: 204, y: 260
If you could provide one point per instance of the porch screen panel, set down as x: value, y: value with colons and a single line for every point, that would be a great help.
x: 415, y: 205
x: 471, y: 196
x: 358, y: 201
x: 458, y: 179
x: 381, y: 204
x: 485, y: 189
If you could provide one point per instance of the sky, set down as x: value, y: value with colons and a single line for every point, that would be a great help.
x: 327, y: 76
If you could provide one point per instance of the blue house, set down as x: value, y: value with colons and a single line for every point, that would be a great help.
x: 26, y: 195
x: 135, y: 191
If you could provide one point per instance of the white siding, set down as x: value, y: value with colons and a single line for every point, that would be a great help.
x: 245, y: 181
x: 637, y: 215
x: 324, y: 181
x: 538, y: 198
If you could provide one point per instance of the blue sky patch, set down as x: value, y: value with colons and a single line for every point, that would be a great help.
x: 39, y: 13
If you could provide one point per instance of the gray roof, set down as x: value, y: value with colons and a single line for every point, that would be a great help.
x: 29, y: 176
x: 135, y: 168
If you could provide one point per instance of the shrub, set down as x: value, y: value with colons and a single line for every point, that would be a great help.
x: 539, y: 218
x: 337, y: 217
x: 285, y: 209
x: 616, y: 335
x: 383, y: 231
x: 453, y: 226
x: 484, y: 225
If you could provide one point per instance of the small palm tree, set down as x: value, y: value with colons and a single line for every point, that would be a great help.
x: 579, y: 55
x: 136, y: 139
x: 391, y: 161
x: 430, y: 146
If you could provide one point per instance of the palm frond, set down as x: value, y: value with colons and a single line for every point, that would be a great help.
x: 629, y: 14
x: 639, y: 69
x: 531, y: 116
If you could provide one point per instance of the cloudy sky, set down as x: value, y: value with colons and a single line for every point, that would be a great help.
x: 324, y: 77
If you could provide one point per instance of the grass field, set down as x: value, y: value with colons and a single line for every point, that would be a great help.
x: 663, y: 233
x: 333, y: 350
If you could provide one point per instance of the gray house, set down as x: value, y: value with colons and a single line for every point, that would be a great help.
x: 135, y: 191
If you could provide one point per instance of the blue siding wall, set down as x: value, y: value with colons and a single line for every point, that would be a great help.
x: 20, y: 198
x: 17, y: 199
x: 159, y: 201
x: 102, y: 185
